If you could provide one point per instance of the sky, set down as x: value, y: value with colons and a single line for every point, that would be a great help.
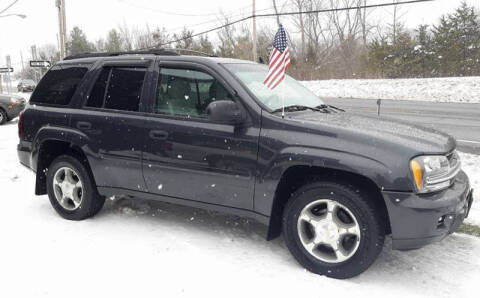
x: 97, y: 17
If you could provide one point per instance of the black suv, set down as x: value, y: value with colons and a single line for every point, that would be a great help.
x: 206, y: 132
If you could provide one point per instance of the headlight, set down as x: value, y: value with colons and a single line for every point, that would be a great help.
x: 434, y: 172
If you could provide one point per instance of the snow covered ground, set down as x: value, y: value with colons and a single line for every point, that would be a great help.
x: 140, y: 249
x: 471, y: 166
x: 457, y: 89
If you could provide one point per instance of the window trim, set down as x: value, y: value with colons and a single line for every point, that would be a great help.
x: 188, y: 66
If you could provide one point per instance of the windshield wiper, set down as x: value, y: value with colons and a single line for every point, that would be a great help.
x: 296, y: 108
x: 324, y: 106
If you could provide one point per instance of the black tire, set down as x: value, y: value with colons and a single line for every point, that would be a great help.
x: 3, y: 117
x: 371, y: 221
x: 91, y: 202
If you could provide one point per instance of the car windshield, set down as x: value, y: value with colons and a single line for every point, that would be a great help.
x: 293, y: 93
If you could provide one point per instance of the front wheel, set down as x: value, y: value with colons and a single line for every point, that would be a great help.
x: 333, y: 229
x: 71, y: 190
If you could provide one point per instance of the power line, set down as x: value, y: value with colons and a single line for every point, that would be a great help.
x: 10, y: 5
x: 214, y: 21
x: 293, y: 13
x: 217, y: 19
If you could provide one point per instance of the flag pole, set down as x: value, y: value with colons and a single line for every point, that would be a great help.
x: 278, y: 64
x: 283, y: 86
x: 283, y: 99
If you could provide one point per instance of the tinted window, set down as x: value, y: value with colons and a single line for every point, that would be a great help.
x: 118, y: 89
x: 187, y: 92
x: 59, y: 84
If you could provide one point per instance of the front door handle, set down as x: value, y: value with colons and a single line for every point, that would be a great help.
x: 84, y: 125
x: 158, y: 134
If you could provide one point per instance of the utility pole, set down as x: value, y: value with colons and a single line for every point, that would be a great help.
x: 9, y: 78
x: 62, y: 27
x: 276, y: 12
x: 364, y: 22
x: 34, y: 57
x: 23, y: 65
x: 254, y: 34
x: 394, y: 24
x: 302, y: 27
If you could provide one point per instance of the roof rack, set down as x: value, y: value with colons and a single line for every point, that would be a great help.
x: 192, y: 52
x: 159, y: 52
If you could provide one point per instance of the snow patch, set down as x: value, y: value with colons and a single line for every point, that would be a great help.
x: 455, y: 89
x: 471, y: 166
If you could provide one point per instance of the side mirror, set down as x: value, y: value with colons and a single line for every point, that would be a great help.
x: 225, y: 111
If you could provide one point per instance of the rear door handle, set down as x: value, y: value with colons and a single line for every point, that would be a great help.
x: 84, y: 125
x: 158, y: 134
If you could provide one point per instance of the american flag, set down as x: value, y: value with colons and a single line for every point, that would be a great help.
x: 279, y: 60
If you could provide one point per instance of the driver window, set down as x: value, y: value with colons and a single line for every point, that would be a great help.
x: 185, y: 92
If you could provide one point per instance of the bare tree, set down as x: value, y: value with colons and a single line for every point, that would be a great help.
x: 299, y: 21
x: 126, y: 37
x: 226, y: 36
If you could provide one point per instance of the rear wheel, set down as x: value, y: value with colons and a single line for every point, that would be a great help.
x: 70, y: 189
x: 333, y: 229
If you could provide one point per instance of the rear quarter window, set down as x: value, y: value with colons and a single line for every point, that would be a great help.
x: 59, y: 84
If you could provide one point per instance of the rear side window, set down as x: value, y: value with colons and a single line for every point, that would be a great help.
x: 118, y: 88
x: 59, y: 84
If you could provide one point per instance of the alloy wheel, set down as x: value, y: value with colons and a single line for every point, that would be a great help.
x: 68, y: 188
x: 328, y: 231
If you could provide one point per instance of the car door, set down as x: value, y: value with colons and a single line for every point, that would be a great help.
x: 111, y: 121
x: 188, y: 156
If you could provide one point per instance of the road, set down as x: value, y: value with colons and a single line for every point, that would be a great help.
x: 461, y: 120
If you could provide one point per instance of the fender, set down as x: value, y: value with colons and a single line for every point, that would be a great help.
x: 56, y: 133
x: 272, y: 171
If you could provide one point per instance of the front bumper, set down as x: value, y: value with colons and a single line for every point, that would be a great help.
x: 419, y: 219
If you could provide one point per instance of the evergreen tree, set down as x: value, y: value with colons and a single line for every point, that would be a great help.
x: 452, y: 48
x: 204, y: 45
x: 186, y: 39
x: 377, y: 59
x: 423, y: 54
x: 78, y: 43
x: 113, y: 42
x: 457, y: 42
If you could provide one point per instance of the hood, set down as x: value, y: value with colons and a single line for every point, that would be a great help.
x: 380, y: 130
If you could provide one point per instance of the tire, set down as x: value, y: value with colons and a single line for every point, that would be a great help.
x: 87, y: 203
x: 3, y: 117
x: 354, y: 207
